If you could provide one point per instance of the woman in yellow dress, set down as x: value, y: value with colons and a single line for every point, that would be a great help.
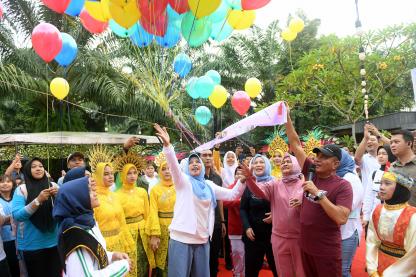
x: 110, y: 215
x: 135, y: 203
x: 162, y: 202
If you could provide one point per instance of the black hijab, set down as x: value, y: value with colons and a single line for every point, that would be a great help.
x: 42, y: 218
x: 391, y: 158
x: 400, y: 195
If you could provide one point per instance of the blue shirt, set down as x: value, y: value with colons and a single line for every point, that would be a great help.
x: 6, y: 230
x: 28, y: 236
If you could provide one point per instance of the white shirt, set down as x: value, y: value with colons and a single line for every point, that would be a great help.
x: 368, y: 165
x: 353, y: 224
x: 2, y: 253
x: 370, y: 197
x: 152, y: 182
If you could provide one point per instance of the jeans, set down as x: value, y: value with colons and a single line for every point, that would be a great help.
x: 349, y: 246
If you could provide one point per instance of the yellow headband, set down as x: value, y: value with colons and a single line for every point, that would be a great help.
x: 390, y: 176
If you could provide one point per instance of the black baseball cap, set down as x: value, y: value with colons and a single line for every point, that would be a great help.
x: 75, y: 154
x: 330, y: 150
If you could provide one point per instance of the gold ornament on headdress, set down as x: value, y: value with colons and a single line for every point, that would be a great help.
x: 278, y: 146
x: 311, y: 144
x: 160, y: 158
x: 99, y: 154
x: 130, y: 158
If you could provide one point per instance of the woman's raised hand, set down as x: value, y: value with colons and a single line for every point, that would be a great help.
x: 247, y: 172
x: 162, y: 134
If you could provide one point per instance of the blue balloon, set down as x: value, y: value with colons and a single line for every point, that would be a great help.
x: 203, y: 115
x: 173, y: 15
x: 171, y: 37
x: 204, y: 86
x: 221, y: 31
x: 74, y: 8
x: 190, y: 88
x: 182, y: 64
x: 235, y: 4
x: 215, y: 76
x: 68, y: 52
x: 220, y: 13
x: 121, y: 31
x: 140, y: 37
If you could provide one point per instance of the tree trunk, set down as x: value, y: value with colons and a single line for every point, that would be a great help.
x: 353, y: 133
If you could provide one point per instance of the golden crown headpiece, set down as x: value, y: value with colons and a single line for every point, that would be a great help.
x: 278, y: 146
x: 99, y: 154
x: 160, y: 158
x: 130, y: 158
x: 310, y: 144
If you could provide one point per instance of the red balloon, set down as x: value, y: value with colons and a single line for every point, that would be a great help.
x: 152, y: 9
x: 253, y: 4
x: 58, y: 6
x: 156, y: 26
x: 91, y: 24
x: 180, y: 6
x: 241, y: 102
x: 47, y: 41
x: 1, y: 11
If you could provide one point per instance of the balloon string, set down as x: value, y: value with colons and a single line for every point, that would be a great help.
x: 61, y: 110
x: 47, y: 112
x: 193, y: 21
x: 290, y: 56
x: 67, y: 104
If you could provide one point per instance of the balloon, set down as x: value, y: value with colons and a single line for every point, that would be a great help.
x: 157, y: 26
x: 215, y: 76
x: 240, y: 102
x: 195, y: 31
x: 182, y: 64
x: 152, y: 9
x: 180, y: 6
x: 172, y: 14
x: 253, y: 4
x: 202, y: 115
x: 74, y: 8
x: 68, y: 52
x: 288, y: 35
x: 201, y: 8
x: 46, y: 41
x: 221, y: 13
x: 140, y: 37
x: 234, y: 4
x: 296, y: 25
x: 204, y: 86
x: 58, y: 6
x: 221, y: 31
x: 99, y: 10
x: 190, y: 88
x: 241, y: 20
x: 171, y: 37
x: 253, y: 87
x: 92, y: 25
x: 1, y: 11
x: 59, y: 88
x: 120, y: 31
x: 126, y: 15
x: 218, y: 96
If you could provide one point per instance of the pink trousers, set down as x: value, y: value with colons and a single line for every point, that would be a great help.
x: 287, y: 256
x: 237, y: 254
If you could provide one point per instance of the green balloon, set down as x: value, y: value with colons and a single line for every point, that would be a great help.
x: 196, y: 32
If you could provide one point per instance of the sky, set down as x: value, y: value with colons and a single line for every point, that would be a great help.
x: 338, y: 16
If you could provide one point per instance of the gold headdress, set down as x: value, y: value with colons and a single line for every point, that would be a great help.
x: 313, y: 141
x: 99, y: 154
x: 278, y: 145
x: 160, y: 158
x: 130, y: 158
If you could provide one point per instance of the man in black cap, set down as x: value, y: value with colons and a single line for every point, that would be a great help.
x: 326, y: 205
x: 75, y: 159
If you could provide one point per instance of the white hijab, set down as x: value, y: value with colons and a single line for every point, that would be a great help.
x: 228, y: 172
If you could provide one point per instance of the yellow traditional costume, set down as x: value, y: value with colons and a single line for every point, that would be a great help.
x: 135, y: 203
x: 162, y: 202
x: 277, y: 147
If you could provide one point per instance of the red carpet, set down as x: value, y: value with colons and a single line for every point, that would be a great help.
x: 357, y: 266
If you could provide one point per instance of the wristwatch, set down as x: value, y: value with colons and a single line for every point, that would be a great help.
x: 37, y: 203
x: 320, y: 195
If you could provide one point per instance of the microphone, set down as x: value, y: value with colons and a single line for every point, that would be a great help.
x: 311, y: 173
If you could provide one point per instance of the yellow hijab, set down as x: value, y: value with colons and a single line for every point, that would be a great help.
x: 98, y: 176
x: 276, y: 171
x: 162, y: 180
x: 124, y: 173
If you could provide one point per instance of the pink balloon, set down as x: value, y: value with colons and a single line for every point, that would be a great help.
x: 1, y: 11
x: 47, y: 41
x: 91, y: 24
x: 58, y: 6
x: 241, y: 102
x: 253, y: 4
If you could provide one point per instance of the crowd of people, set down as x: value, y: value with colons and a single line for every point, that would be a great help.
x: 304, y: 211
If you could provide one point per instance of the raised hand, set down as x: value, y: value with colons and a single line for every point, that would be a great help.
x: 162, y: 134
x: 247, y: 172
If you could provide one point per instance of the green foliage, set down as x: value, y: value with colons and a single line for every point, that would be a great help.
x: 347, y: 141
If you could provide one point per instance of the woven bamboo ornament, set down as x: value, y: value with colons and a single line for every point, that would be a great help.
x: 99, y: 154
x: 278, y: 146
x: 160, y: 158
x: 130, y: 158
x: 310, y: 144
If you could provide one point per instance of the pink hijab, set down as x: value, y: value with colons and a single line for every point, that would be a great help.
x: 295, y: 174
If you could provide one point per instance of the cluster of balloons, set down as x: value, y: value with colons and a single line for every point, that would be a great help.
x: 241, y: 101
x: 59, y: 88
x: 164, y: 21
x: 51, y: 44
x: 296, y: 26
x: 203, y: 86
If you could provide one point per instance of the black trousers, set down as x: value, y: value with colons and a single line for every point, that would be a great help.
x: 10, y: 249
x: 43, y: 262
x: 214, y: 251
x: 4, y: 268
x: 254, y: 257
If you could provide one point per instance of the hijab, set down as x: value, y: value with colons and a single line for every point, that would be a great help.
x: 267, y: 170
x: 228, y: 171
x: 162, y: 180
x: 346, y: 164
x: 401, y: 193
x: 391, y: 158
x: 75, y: 173
x: 42, y: 218
x: 199, y: 185
x: 98, y: 176
x: 73, y: 205
x: 276, y: 169
x: 121, y: 180
x: 295, y: 173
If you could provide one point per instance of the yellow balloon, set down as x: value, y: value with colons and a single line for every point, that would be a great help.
x: 253, y: 87
x: 126, y: 15
x: 99, y: 10
x: 241, y: 20
x: 296, y: 25
x: 218, y: 97
x: 201, y: 8
x: 59, y: 88
x: 288, y: 35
